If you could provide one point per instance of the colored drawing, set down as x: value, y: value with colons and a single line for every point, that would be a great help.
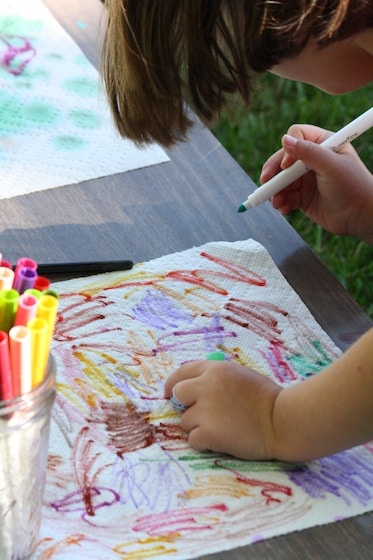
x: 122, y: 481
x: 53, y: 112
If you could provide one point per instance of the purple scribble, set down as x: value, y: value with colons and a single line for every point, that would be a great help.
x: 134, y: 481
x: 76, y: 501
x: 159, y: 311
x: 196, y: 340
x: 257, y: 538
x: 17, y: 54
x: 346, y: 475
x: 212, y: 345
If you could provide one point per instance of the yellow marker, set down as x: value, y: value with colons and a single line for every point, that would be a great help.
x: 47, y: 309
x: 39, y: 348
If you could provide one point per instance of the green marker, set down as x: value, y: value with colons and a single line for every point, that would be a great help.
x: 217, y: 356
x: 8, y: 305
x: 33, y: 292
x: 50, y: 292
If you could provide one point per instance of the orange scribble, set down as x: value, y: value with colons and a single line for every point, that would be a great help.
x: 60, y: 546
x: 217, y: 485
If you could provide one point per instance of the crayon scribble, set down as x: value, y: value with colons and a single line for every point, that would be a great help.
x: 15, y: 54
x: 89, y: 496
x: 122, y: 478
x: 343, y: 475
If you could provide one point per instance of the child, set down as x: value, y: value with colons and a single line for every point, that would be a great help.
x: 156, y: 52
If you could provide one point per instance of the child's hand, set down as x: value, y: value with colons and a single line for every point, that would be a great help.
x: 229, y: 407
x: 338, y: 194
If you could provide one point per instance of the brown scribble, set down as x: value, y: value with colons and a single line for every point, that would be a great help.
x: 128, y: 429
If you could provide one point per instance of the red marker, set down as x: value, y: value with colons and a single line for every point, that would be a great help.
x: 6, y: 381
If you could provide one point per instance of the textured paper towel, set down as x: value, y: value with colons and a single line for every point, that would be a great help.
x: 122, y: 480
x: 55, y: 124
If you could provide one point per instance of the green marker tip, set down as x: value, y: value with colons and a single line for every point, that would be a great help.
x: 217, y: 356
x: 241, y: 208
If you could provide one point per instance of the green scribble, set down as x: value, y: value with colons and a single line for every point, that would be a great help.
x: 38, y: 74
x: 212, y: 461
x: 69, y: 142
x: 81, y: 24
x: 306, y: 367
x: 11, y: 117
x: 54, y: 56
x: 40, y: 113
x: 17, y: 25
x: 84, y: 119
x: 84, y: 87
x: 15, y: 116
x: 81, y: 60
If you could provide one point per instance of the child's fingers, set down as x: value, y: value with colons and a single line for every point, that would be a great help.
x: 286, y: 161
x: 272, y: 166
x: 196, y: 440
x: 186, y: 371
x: 182, y: 394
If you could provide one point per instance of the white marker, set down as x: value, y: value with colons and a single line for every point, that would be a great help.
x: 290, y: 174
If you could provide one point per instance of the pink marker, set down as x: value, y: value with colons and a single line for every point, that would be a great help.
x: 27, y: 307
x: 6, y: 381
x: 25, y: 262
x: 20, y: 359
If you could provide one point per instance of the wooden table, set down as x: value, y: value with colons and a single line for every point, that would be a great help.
x: 170, y: 207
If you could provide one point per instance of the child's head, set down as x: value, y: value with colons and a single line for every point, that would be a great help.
x: 158, y: 51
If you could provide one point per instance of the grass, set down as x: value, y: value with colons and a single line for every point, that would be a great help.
x: 251, y: 136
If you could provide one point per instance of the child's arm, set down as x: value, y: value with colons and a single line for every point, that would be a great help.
x: 338, y: 192
x: 235, y: 410
x: 331, y: 411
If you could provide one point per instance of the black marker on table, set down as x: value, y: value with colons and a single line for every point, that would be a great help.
x: 83, y: 268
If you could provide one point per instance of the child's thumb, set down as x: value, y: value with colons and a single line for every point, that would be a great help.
x: 314, y: 156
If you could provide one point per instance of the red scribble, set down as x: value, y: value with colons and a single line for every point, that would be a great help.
x: 238, y: 273
x: 241, y: 273
x: 171, y: 437
x: 82, y: 311
x: 267, y: 487
x: 198, y: 277
x: 278, y: 364
x: 260, y: 317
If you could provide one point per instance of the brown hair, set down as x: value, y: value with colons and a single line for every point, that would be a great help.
x: 157, y: 51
